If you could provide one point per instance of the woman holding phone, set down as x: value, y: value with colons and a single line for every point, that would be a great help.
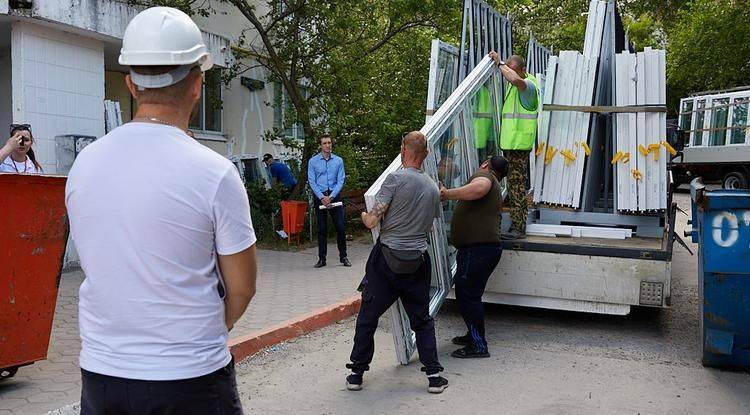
x: 17, y: 155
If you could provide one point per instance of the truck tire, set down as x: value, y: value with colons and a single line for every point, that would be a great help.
x: 734, y: 180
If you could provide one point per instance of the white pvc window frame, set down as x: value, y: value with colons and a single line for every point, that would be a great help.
x: 453, y: 110
x: 706, y: 123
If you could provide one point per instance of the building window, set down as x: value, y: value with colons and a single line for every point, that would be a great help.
x: 283, y: 114
x: 207, y: 113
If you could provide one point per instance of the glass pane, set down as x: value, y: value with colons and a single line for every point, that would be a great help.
x: 447, y: 64
x: 449, y: 154
x: 483, y: 118
x: 719, y: 120
x: 195, y: 118
x: 686, y: 119
x: 739, y: 119
x: 252, y: 171
x: 212, y: 91
x: 699, y: 116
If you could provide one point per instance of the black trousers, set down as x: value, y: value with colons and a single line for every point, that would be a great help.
x: 380, y: 289
x: 215, y: 393
x: 337, y: 214
x: 474, y: 265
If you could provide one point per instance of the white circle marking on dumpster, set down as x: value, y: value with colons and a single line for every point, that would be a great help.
x: 718, y: 225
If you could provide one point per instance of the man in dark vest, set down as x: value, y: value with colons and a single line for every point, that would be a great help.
x: 475, y: 232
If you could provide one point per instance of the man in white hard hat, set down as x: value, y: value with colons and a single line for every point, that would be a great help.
x: 162, y: 226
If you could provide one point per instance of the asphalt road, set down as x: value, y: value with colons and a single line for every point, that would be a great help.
x: 542, y: 362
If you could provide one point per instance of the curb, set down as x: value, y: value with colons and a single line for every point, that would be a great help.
x: 250, y: 344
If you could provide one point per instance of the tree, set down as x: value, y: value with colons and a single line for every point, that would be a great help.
x: 708, y: 47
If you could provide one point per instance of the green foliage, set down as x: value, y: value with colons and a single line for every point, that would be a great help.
x: 708, y: 47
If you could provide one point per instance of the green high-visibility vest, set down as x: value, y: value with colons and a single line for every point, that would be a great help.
x: 518, y: 129
x: 484, y: 123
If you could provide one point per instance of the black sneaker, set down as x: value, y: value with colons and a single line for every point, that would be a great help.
x: 513, y: 235
x: 464, y: 340
x: 321, y: 263
x: 345, y: 262
x: 470, y: 352
x: 354, y: 382
x: 437, y: 384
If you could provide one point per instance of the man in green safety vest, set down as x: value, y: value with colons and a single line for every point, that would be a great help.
x: 517, y: 136
x: 484, y: 123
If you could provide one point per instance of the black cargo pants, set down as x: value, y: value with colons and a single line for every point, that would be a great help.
x: 380, y: 289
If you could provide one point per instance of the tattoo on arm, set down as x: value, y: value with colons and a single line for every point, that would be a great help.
x: 379, y: 209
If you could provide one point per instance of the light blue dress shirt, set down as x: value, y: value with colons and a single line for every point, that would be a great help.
x: 325, y: 175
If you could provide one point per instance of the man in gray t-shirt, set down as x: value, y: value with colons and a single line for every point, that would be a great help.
x: 399, y: 265
x: 413, y: 201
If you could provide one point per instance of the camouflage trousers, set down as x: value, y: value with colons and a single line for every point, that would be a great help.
x: 518, y: 162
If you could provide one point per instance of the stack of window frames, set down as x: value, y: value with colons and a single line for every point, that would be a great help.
x: 537, y: 57
x: 640, y: 159
x: 564, y: 136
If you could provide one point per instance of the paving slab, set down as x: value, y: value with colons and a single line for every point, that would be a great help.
x: 288, y: 286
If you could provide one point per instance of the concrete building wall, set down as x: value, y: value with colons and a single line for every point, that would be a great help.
x: 57, y: 85
x: 246, y: 114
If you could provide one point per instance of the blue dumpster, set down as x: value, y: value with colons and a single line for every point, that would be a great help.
x: 721, y: 227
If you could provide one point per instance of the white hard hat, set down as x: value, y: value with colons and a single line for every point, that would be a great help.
x: 161, y: 36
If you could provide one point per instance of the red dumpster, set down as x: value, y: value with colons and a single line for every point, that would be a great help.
x: 32, y: 246
x: 293, y: 218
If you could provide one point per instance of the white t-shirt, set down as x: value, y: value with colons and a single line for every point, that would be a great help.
x: 149, y: 210
x: 11, y: 166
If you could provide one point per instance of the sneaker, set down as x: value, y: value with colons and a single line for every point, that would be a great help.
x: 470, y: 352
x: 321, y: 263
x: 345, y: 262
x: 464, y: 340
x: 513, y: 235
x: 354, y: 382
x: 437, y: 384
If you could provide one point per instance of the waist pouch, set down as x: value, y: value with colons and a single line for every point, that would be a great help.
x: 402, y: 262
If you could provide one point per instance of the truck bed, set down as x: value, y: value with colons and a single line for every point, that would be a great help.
x: 635, y: 247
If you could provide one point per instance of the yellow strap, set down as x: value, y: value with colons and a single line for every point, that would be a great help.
x: 636, y: 174
x: 643, y: 150
x: 669, y: 148
x: 550, y: 154
x: 617, y: 157
x: 586, y: 148
x: 568, y: 155
x: 539, y: 150
x: 625, y: 158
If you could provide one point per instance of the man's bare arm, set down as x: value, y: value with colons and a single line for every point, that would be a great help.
x: 509, y: 74
x: 372, y: 218
x: 239, y: 272
x: 474, y: 190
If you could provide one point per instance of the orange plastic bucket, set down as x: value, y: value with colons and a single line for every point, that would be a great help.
x: 293, y: 218
x: 32, y: 247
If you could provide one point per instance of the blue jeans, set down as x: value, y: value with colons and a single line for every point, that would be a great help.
x: 475, y: 264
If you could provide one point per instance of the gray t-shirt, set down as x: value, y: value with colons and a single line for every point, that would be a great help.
x: 528, y: 96
x: 413, y: 201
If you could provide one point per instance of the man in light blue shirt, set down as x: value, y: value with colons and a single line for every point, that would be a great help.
x: 325, y: 174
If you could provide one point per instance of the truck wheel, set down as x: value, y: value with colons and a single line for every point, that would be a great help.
x: 734, y: 180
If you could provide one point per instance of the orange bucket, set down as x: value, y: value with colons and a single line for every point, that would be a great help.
x: 293, y: 218
x: 35, y: 230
